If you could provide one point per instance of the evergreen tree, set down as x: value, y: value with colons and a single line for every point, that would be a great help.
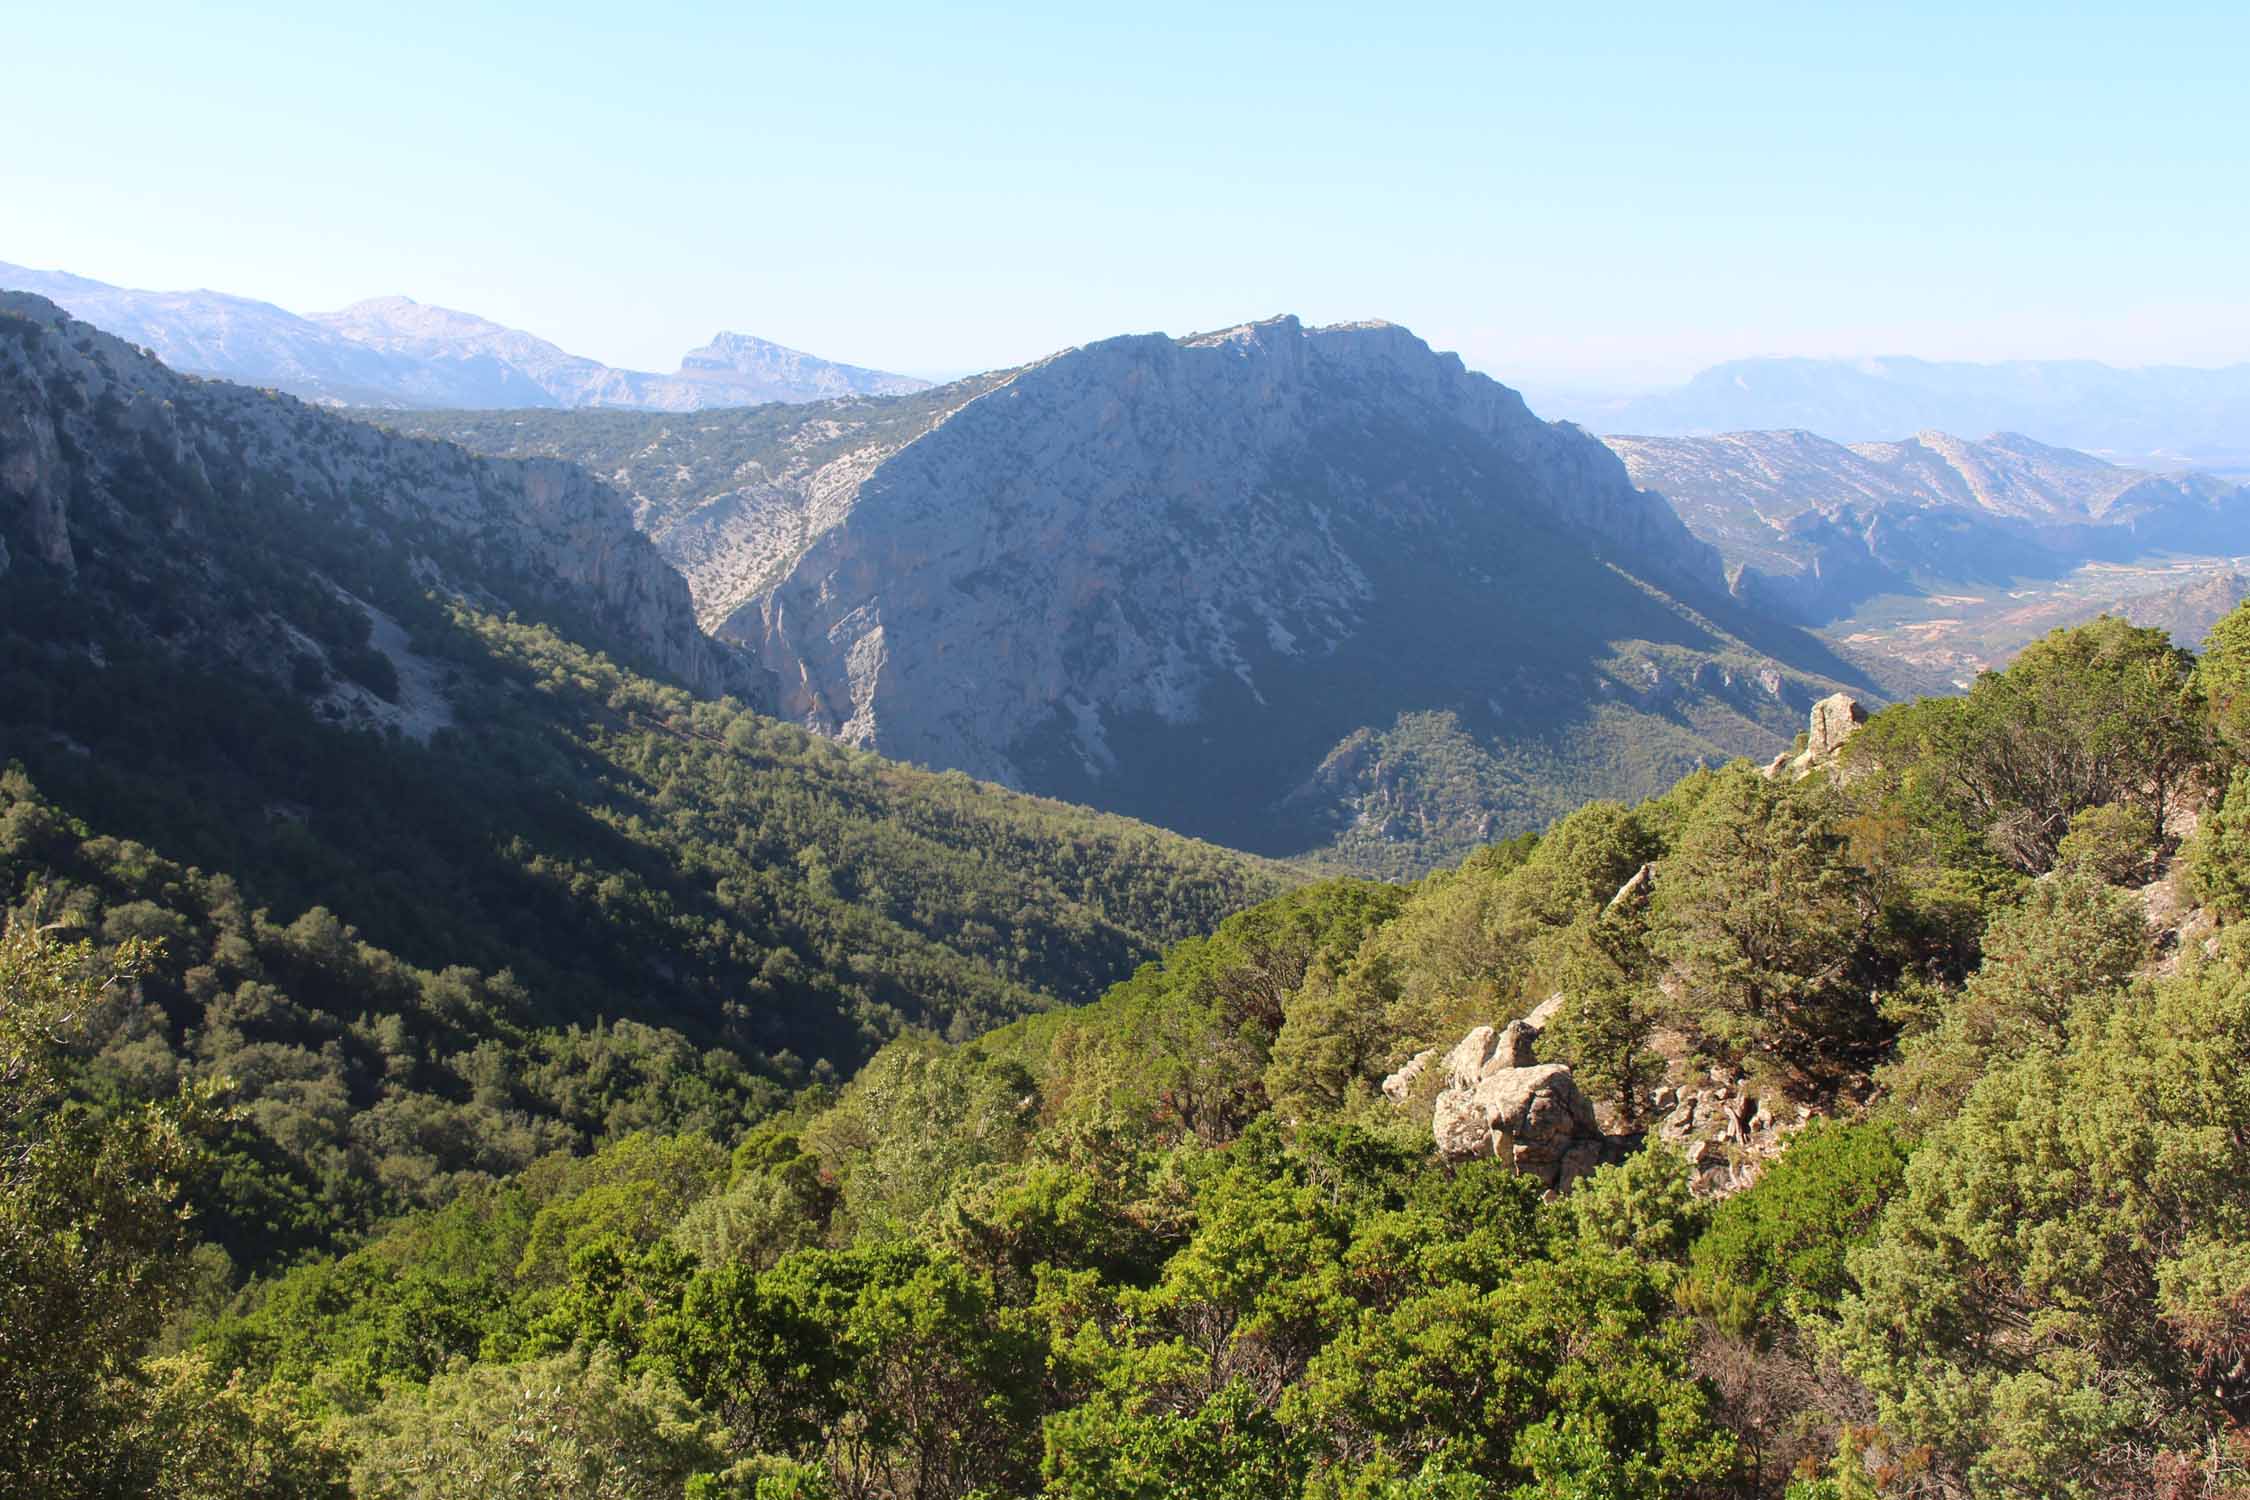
x: 1767, y: 920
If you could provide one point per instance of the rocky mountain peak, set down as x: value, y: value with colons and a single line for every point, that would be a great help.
x: 396, y: 353
x: 401, y: 322
x: 1072, y: 510
x: 755, y: 365
x: 1271, y: 584
x: 737, y: 351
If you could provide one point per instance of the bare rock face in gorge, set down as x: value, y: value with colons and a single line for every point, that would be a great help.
x: 230, y: 522
x: 1292, y: 589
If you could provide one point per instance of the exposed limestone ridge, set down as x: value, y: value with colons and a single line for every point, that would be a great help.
x: 763, y: 370
x: 396, y: 353
x: 83, y: 415
x: 1813, y: 529
x: 1109, y: 530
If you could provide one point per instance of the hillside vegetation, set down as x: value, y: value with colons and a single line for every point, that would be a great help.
x: 342, y: 726
x: 1180, y: 1242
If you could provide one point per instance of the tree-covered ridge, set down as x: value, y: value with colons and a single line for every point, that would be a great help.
x: 1180, y: 1242
x: 596, y: 906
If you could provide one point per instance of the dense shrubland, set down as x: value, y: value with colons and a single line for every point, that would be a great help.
x: 595, y: 906
x: 1177, y: 1242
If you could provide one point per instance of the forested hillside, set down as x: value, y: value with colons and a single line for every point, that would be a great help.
x: 332, y: 723
x: 444, y: 1053
x: 1980, y: 968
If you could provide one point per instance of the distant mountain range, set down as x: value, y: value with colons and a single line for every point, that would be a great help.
x: 1813, y: 528
x: 1300, y: 590
x: 395, y: 352
x: 2158, y: 416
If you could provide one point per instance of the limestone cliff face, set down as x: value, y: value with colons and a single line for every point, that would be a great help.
x: 101, y: 446
x: 1107, y: 534
x: 32, y: 479
x: 1289, y: 589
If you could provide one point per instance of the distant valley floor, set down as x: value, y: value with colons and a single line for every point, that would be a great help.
x: 1940, y: 641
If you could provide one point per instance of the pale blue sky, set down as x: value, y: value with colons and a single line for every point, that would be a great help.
x: 1604, y: 194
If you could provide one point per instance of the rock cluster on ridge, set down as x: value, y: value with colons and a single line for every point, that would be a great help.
x: 1726, y: 1129
x: 1500, y: 1101
x: 1835, y: 719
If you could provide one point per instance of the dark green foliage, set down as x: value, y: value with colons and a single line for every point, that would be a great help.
x: 1174, y: 1243
x: 604, y: 837
x: 93, y: 1246
x: 1768, y: 921
x: 2218, y: 859
x: 2050, y: 1304
x: 748, y: 895
x: 2222, y: 678
x: 2116, y: 842
x: 516, y: 1199
x: 1779, y: 1249
x: 2097, y: 715
x: 2072, y: 940
x: 565, y: 1428
x: 1610, y: 1012
x: 366, y: 1084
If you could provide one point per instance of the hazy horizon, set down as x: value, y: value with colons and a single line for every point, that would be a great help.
x: 1594, y: 209
x: 1565, y: 388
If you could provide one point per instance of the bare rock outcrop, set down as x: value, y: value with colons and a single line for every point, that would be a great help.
x: 1636, y: 889
x: 1401, y: 1083
x: 1727, y: 1129
x: 1500, y: 1101
x: 31, y: 475
x: 1534, y: 1118
x: 1835, y: 719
